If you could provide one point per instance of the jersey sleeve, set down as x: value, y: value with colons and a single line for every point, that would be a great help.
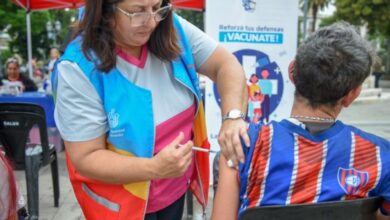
x: 384, y: 191
x: 253, y: 132
x: 79, y: 112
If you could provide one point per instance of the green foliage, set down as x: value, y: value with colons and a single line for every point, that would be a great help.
x: 4, y: 55
x: 194, y: 17
x: 374, y: 13
x: 13, y: 19
x: 328, y: 20
x: 313, y: 7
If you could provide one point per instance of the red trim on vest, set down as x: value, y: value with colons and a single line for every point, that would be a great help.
x: 131, y: 207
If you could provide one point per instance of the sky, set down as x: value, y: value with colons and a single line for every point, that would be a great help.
x: 328, y: 10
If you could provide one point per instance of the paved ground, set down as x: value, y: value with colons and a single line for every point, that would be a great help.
x: 372, y: 116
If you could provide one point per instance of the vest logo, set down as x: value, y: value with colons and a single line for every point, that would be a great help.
x: 113, y: 118
x: 249, y: 5
x: 352, y: 180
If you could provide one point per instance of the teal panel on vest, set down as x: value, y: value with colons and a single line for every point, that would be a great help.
x: 130, y: 115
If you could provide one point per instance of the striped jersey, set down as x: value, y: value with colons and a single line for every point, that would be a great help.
x: 286, y: 164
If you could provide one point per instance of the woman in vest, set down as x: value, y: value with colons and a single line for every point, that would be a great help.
x: 128, y: 106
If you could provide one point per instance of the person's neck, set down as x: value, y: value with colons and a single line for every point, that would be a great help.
x: 134, y: 51
x: 304, y: 112
x: 13, y: 78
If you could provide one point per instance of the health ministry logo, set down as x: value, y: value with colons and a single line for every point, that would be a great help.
x: 249, y: 5
x: 113, y: 118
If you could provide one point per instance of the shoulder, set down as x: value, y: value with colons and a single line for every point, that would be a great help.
x: 74, y: 50
x: 26, y: 79
x: 254, y: 131
x: 70, y: 73
x: 374, y: 139
x: 184, y: 25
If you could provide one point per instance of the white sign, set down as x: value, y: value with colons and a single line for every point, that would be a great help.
x: 262, y: 34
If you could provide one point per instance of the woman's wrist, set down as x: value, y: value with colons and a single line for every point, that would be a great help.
x: 153, y: 168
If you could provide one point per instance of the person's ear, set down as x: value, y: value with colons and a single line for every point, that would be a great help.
x: 291, y: 68
x: 351, y: 96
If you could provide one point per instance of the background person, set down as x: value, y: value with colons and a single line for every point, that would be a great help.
x: 311, y: 157
x: 377, y: 71
x: 12, y: 69
x: 129, y: 109
x: 53, y: 57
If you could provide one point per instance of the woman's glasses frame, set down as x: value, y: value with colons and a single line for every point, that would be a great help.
x: 139, y: 19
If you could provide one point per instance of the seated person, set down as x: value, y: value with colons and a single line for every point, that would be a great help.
x: 12, y: 69
x: 311, y: 157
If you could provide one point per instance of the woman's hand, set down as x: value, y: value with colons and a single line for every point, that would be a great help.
x: 174, y: 159
x: 229, y: 140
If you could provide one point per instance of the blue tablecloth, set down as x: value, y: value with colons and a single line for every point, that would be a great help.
x: 42, y: 99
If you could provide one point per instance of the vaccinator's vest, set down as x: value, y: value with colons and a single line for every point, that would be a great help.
x: 131, y: 133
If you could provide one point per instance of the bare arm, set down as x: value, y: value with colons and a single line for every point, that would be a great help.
x: 226, y: 201
x: 224, y: 69
x: 92, y: 159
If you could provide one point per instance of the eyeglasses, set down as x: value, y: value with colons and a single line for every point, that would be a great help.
x: 141, y: 18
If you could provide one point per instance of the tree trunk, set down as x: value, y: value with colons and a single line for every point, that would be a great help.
x: 388, y: 56
x: 314, y: 13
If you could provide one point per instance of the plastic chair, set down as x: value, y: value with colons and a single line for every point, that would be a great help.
x: 16, y: 121
x: 360, y: 209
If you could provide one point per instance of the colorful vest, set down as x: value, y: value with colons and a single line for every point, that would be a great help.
x: 287, y: 165
x: 131, y: 133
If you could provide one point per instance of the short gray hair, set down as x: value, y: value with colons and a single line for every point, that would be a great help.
x: 11, y: 60
x: 331, y: 62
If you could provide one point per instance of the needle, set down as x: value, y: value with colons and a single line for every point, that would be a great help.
x: 195, y: 148
x: 203, y: 150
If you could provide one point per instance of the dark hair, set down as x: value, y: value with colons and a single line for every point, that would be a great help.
x: 330, y: 63
x: 95, y: 28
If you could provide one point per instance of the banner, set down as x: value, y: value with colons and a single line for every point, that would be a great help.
x: 262, y: 34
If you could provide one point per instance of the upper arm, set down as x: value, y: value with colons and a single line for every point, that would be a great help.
x: 226, y: 201
x: 218, y: 59
x: 79, y: 112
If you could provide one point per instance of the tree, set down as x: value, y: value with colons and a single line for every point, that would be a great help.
x: 194, y: 17
x: 315, y: 6
x: 374, y: 14
x: 13, y: 20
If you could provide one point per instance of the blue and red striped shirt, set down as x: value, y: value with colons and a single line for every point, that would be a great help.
x: 286, y: 164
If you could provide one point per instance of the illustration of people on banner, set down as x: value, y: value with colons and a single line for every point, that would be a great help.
x: 265, y: 84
